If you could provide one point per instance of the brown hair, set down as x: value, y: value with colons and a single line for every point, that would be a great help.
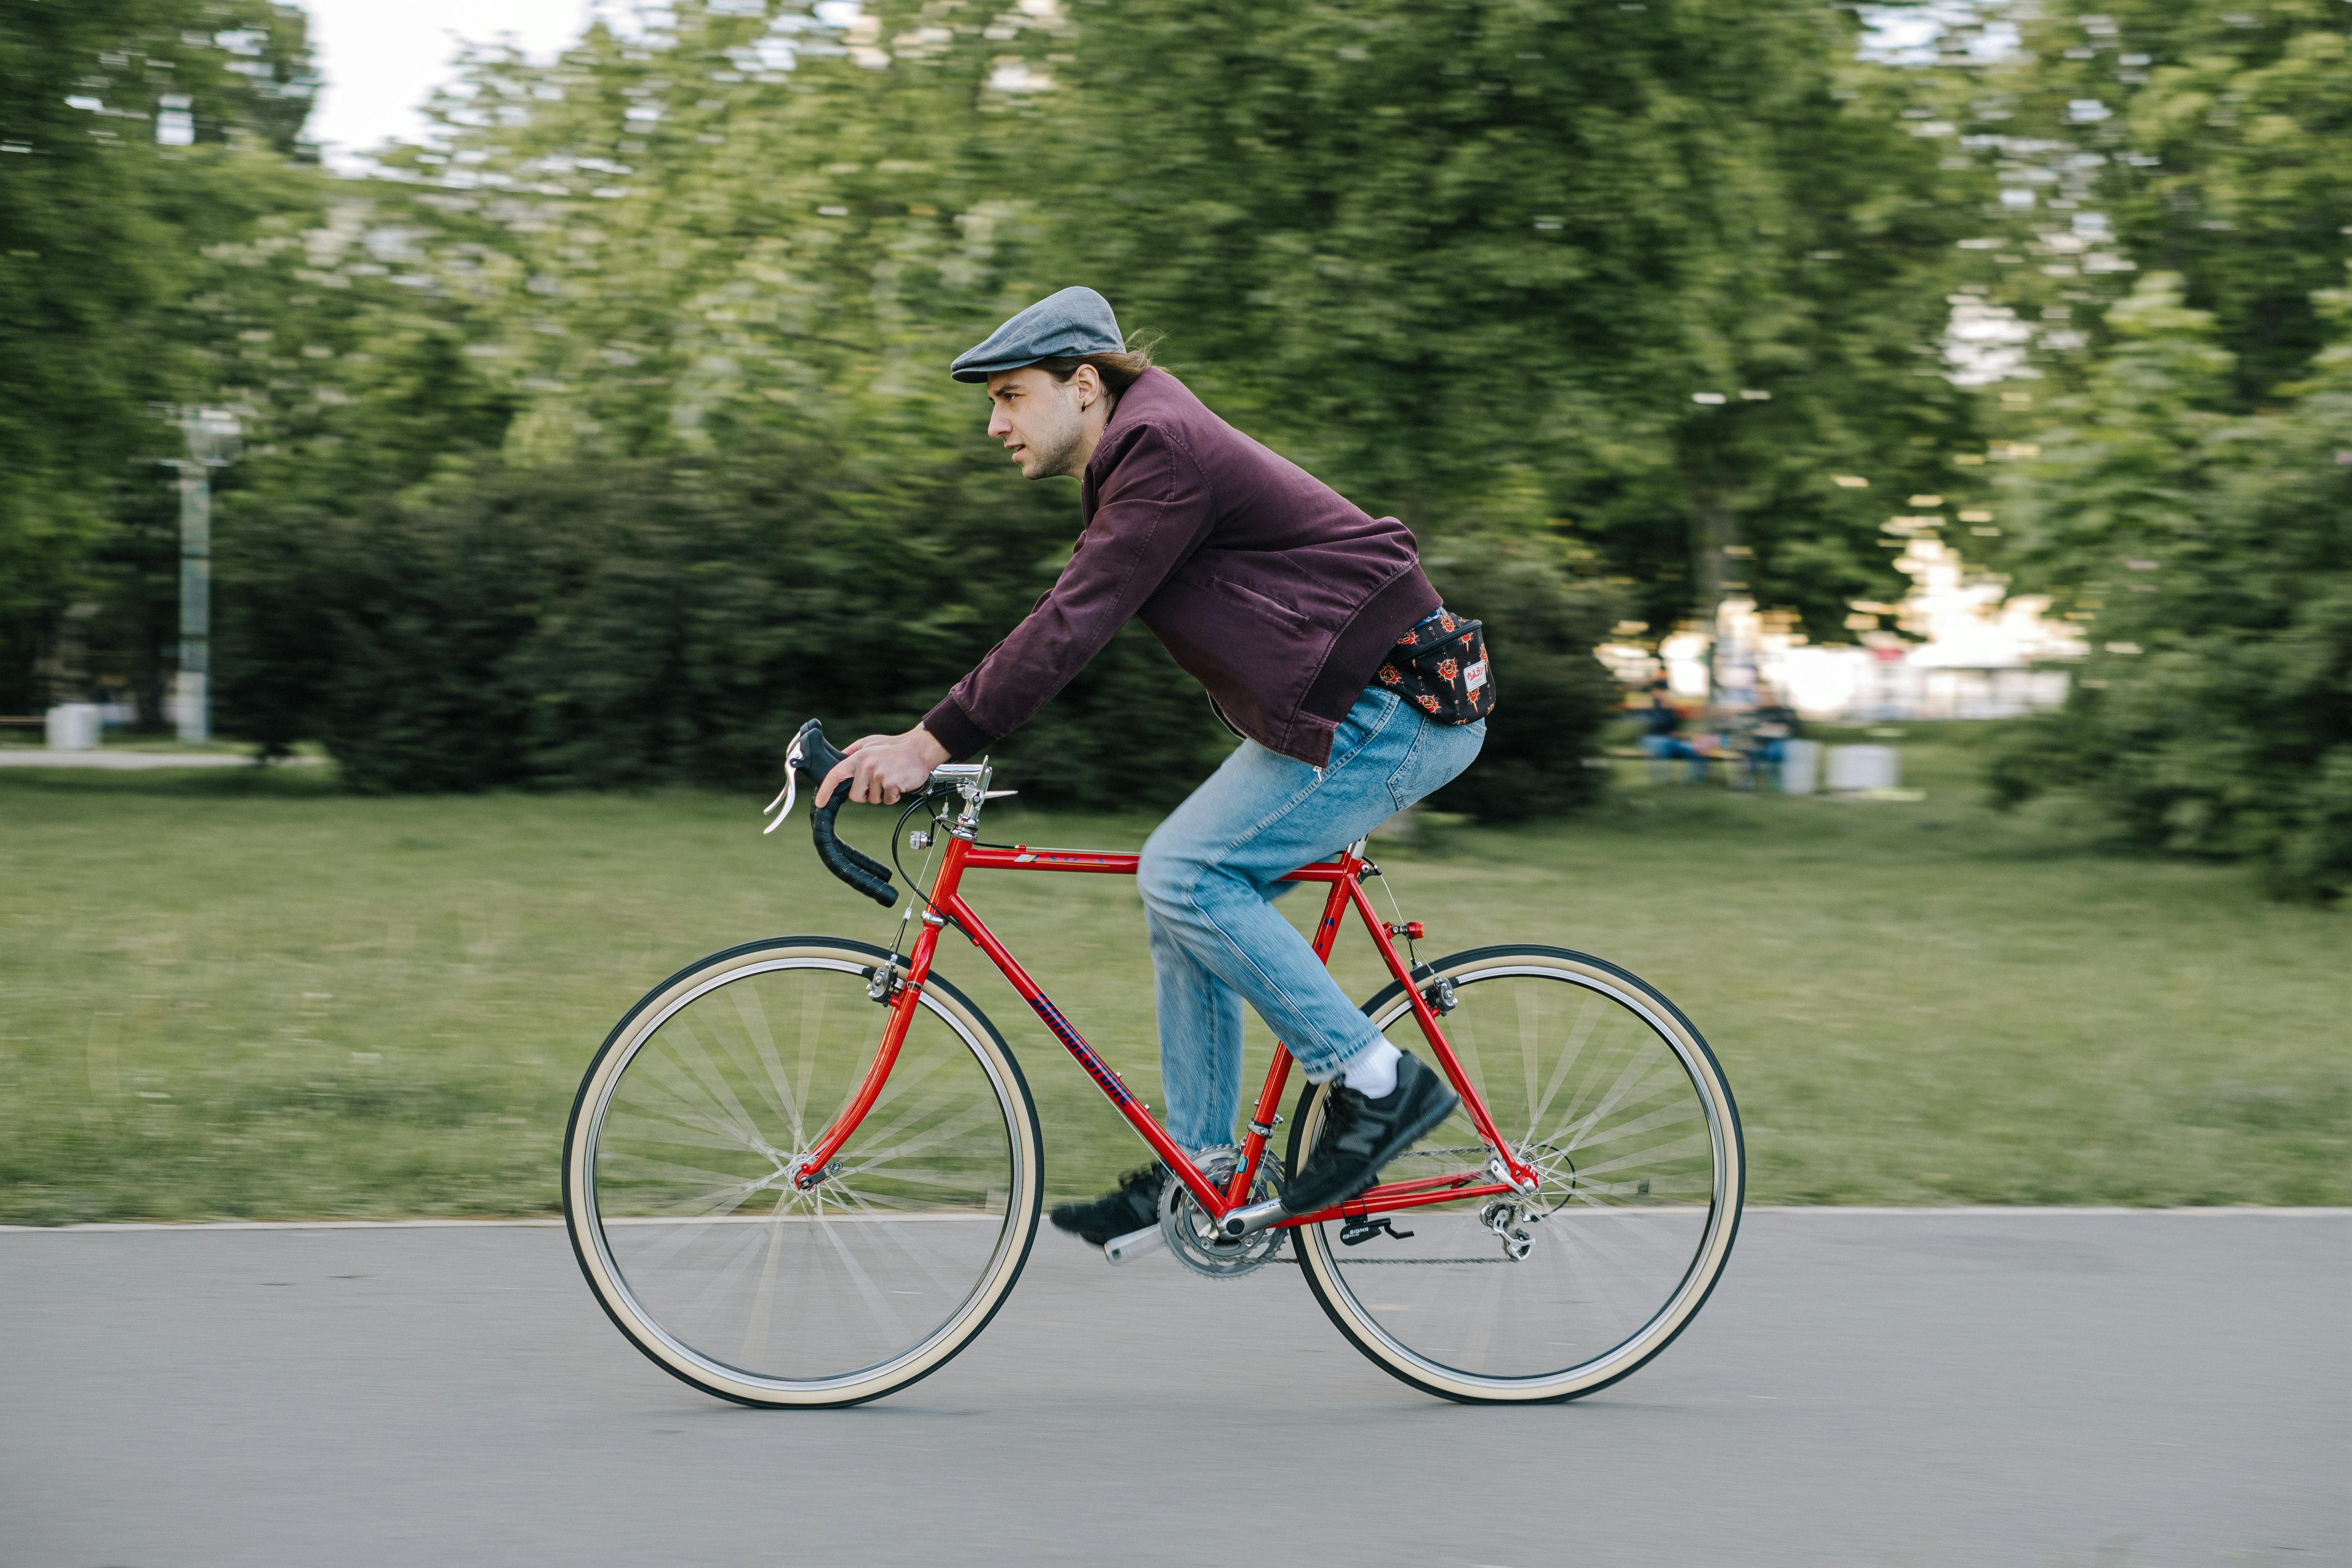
x: 1119, y: 370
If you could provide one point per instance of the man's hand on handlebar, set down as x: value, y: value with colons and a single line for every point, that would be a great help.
x: 881, y: 768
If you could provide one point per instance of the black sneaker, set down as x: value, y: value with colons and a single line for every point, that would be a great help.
x: 1135, y: 1205
x: 1360, y: 1135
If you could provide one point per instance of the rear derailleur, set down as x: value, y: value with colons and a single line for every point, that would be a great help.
x: 1507, y: 1221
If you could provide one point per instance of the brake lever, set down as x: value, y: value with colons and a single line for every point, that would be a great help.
x: 786, y: 795
x: 791, y: 792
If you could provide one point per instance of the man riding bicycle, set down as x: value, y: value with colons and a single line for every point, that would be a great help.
x: 1319, y: 641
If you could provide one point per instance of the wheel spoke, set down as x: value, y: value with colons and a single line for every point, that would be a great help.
x: 1568, y: 1281
x: 689, y: 1099
x: 716, y: 1258
x: 772, y: 1085
x: 642, y: 1128
x: 1680, y: 1112
x: 697, y: 1060
x: 1571, y: 1049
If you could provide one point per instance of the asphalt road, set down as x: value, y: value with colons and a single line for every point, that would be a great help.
x: 2043, y: 1389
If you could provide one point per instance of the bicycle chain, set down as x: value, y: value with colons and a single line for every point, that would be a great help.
x: 1423, y: 1262
x: 1290, y: 1255
x: 1389, y: 1262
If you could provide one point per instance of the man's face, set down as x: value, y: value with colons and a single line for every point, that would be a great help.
x: 1038, y: 419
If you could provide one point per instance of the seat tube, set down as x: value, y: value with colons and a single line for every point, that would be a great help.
x: 1278, y: 1073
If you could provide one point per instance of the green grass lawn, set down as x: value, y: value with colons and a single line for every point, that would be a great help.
x: 243, y: 994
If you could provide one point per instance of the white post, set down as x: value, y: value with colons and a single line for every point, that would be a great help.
x: 1857, y: 768
x: 190, y: 710
x: 211, y: 434
x: 72, y: 727
x: 1800, y: 766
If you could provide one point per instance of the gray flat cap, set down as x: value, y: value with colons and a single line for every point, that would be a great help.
x: 1074, y: 322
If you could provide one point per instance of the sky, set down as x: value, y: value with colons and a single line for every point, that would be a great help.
x: 381, y: 59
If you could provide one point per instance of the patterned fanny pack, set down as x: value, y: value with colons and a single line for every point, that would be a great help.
x: 1441, y: 667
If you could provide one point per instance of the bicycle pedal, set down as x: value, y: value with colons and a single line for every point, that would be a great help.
x: 1357, y: 1232
x: 1134, y: 1244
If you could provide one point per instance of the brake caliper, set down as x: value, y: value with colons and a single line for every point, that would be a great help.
x: 1439, y: 995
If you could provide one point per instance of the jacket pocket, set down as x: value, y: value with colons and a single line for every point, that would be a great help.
x: 1270, y: 609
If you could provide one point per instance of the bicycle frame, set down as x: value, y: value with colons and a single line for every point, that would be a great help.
x: 1345, y: 875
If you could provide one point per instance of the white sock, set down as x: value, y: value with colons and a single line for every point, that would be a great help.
x: 1373, y: 1072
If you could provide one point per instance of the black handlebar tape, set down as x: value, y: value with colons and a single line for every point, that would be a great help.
x: 860, y: 870
x: 820, y: 757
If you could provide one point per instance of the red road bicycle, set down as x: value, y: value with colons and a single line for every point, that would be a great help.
x: 807, y: 1170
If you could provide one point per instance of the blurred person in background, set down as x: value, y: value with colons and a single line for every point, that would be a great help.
x: 1769, y: 730
x: 1661, y: 735
x: 1320, y: 642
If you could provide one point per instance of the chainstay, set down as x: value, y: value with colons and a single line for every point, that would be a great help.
x: 1292, y: 1257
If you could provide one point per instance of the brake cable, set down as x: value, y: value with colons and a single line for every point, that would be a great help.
x: 914, y: 884
x: 1401, y: 927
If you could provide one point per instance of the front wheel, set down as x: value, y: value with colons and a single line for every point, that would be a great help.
x: 1600, y: 1083
x: 678, y: 1161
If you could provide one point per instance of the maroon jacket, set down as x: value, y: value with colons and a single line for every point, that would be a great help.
x: 1268, y: 586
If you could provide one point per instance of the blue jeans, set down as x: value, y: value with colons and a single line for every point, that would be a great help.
x: 1216, y: 941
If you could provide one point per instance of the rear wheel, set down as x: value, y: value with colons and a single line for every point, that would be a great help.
x: 679, y: 1191
x: 1600, y: 1084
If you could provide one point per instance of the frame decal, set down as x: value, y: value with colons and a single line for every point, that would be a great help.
x: 1098, y: 1069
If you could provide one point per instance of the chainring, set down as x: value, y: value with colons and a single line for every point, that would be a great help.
x: 1197, y: 1244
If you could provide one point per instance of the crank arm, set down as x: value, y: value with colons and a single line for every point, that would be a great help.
x: 1248, y: 1221
x: 1134, y: 1244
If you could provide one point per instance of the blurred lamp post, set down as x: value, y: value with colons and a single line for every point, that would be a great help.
x: 1722, y: 554
x: 212, y: 435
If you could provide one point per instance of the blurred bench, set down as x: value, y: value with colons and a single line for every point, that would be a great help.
x: 1730, y: 767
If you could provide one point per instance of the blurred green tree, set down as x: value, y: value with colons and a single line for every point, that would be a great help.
x: 1593, y: 290
x: 1664, y: 270
x: 1544, y: 612
x: 2175, y: 222
x: 686, y: 310
x: 2215, y: 713
x: 2203, y: 138
x: 134, y: 135
x: 1471, y: 267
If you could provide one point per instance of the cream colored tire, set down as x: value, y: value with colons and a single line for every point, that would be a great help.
x: 1601, y: 1082
x: 712, y: 1261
